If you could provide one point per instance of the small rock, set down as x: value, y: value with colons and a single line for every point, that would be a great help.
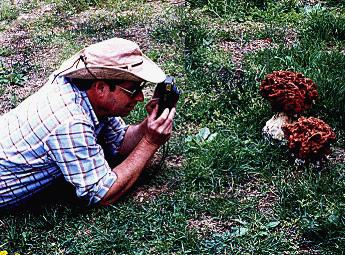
x: 273, y: 127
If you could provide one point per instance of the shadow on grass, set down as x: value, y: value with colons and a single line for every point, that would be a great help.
x: 60, y: 194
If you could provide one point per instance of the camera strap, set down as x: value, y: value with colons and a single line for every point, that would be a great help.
x: 165, y: 150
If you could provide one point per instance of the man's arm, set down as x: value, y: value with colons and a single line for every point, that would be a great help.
x: 157, y: 132
x: 132, y: 137
x: 135, y: 133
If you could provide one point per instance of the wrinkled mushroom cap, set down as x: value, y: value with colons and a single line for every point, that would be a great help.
x: 288, y: 92
x: 309, y: 138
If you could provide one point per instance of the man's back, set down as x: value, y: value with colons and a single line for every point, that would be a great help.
x: 26, y: 159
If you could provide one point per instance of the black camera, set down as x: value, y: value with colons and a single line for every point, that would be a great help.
x: 168, y: 94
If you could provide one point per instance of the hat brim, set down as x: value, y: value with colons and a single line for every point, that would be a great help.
x: 148, y: 71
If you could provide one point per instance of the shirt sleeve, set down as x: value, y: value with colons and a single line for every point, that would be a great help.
x: 74, y: 148
x: 112, y: 134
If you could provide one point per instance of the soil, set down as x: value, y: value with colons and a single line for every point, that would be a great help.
x: 206, y: 224
x: 149, y: 193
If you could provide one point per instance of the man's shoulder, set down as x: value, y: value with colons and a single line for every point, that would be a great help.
x: 63, y: 97
x: 54, y: 104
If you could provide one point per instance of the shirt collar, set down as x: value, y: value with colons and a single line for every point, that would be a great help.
x: 84, y: 99
x: 88, y: 105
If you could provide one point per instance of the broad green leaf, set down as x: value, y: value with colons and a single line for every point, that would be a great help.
x: 238, y: 231
x: 273, y: 224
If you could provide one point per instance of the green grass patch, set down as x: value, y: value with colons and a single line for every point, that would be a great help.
x: 326, y: 25
x: 314, y: 199
x: 5, y: 52
x: 8, y: 11
x: 13, y: 75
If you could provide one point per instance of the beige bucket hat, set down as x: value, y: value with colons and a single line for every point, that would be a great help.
x: 115, y: 58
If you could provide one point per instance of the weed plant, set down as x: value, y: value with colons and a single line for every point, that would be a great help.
x: 70, y: 7
x: 10, y: 76
x: 328, y: 26
x: 8, y: 11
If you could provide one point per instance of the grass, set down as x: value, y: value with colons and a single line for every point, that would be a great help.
x: 235, y: 193
x: 8, y: 12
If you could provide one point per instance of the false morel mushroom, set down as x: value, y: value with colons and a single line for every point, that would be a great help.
x: 288, y: 92
x: 309, y: 138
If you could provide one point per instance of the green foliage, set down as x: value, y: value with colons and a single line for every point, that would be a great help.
x: 5, y: 52
x: 102, y: 27
x: 259, y: 10
x: 209, y: 73
x: 171, y: 27
x: 325, y: 25
x: 213, y: 164
x: 13, y: 75
x: 228, y: 9
x: 71, y: 6
x: 8, y: 11
x: 335, y: 3
x: 313, y: 199
x: 281, y: 12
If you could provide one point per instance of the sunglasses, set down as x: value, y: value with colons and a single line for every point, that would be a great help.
x: 134, y: 92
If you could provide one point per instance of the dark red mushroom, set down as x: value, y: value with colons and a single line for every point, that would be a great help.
x: 288, y: 92
x: 309, y: 138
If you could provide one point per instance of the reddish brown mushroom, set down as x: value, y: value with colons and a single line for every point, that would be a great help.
x: 288, y: 92
x: 309, y: 138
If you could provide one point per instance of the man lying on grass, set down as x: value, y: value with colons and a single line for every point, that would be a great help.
x: 73, y: 121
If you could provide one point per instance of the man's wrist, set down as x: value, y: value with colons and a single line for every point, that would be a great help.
x: 150, y: 143
x: 143, y: 125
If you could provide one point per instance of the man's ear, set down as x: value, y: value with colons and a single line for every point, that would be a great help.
x: 101, y: 87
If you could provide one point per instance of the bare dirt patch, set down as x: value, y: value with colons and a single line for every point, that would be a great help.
x: 177, y: 2
x: 175, y: 161
x: 291, y: 37
x: 207, y: 224
x: 25, y: 53
x: 147, y: 194
x: 239, y: 49
x: 266, y: 203
x: 241, y: 46
x: 249, y: 191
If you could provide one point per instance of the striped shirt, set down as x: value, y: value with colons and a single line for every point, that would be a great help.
x: 53, y: 133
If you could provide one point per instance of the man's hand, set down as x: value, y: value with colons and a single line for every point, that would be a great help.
x: 156, y: 133
x: 135, y: 133
x: 159, y: 128
x: 151, y: 105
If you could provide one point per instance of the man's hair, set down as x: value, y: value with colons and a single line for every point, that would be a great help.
x: 85, y: 84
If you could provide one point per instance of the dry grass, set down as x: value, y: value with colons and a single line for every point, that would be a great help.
x: 205, y: 225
